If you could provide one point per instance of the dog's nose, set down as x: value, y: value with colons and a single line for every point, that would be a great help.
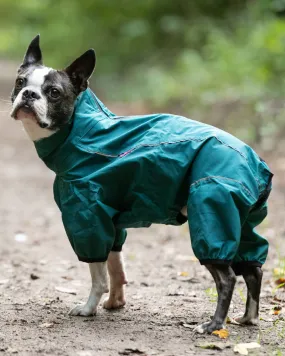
x: 30, y: 94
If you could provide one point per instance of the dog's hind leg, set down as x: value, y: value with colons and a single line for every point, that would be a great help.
x: 225, y: 280
x: 118, y: 279
x: 253, y: 278
x: 98, y: 271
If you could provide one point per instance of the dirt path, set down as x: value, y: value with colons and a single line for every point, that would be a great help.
x: 33, y: 314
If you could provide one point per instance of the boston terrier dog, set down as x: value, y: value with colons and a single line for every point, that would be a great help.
x: 115, y: 172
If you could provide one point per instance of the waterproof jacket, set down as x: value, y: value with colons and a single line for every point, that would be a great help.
x: 115, y: 172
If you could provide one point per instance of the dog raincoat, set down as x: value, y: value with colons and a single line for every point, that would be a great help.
x: 114, y: 173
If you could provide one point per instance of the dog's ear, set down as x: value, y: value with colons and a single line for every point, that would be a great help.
x: 81, y: 70
x: 34, y: 53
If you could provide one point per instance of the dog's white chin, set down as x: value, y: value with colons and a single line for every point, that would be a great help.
x: 32, y: 128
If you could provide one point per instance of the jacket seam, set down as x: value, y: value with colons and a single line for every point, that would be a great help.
x: 239, y: 152
x: 122, y: 154
x: 225, y: 178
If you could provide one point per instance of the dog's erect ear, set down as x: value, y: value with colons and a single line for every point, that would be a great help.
x: 34, y: 53
x: 81, y: 70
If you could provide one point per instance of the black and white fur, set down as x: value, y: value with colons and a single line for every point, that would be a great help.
x: 43, y: 99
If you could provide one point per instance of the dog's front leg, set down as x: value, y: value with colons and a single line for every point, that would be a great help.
x: 117, y: 280
x: 99, y: 278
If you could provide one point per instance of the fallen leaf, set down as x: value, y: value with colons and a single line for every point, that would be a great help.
x: 65, y: 290
x: 277, y: 310
x: 280, y: 281
x: 46, y: 325
x: 242, y: 348
x: 222, y: 334
x: 219, y: 345
x: 183, y: 274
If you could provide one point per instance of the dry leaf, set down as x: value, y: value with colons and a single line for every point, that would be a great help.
x: 232, y: 321
x: 218, y: 345
x: 277, y: 310
x: 183, y: 274
x: 242, y: 348
x: 280, y: 281
x: 65, y: 290
x: 222, y: 334
x: 46, y: 325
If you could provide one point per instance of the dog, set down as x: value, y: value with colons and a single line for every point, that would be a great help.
x: 116, y: 172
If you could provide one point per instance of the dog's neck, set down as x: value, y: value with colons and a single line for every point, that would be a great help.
x: 35, y: 132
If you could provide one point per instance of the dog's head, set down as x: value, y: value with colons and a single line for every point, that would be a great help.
x: 45, y: 96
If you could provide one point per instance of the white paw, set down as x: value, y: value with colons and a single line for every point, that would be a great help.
x: 83, y: 310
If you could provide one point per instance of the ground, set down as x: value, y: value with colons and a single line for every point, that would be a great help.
x: 168, y: 293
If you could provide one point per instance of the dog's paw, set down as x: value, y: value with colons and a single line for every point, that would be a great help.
x: 245, y: 320
x: 209, y: 327
x: 114, y: 303
x: 83, y: 310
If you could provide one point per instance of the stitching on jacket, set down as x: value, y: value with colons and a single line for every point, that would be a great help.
x: 139, y: 146
x: 220, y: 177
x: 233, y: 148
x: 239, y: 152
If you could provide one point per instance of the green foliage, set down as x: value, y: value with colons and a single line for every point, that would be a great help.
x: 222, y: 61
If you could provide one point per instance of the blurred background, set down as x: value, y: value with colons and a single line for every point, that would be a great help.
x: 218, y: 61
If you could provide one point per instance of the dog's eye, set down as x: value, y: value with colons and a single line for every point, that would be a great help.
x: 19, y: 83
x: 54, y: 93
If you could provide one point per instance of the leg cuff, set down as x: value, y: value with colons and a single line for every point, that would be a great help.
x: 91, y: 260
x: 216, y: 262
x: 117, y: 248
x: 240, y: 267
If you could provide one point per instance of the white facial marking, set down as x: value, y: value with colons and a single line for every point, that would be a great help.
x: 37, y: 78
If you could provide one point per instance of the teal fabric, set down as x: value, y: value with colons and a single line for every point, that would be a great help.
x: 114, y: 173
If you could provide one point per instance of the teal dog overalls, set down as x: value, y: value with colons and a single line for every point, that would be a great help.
x: 114, y: 173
